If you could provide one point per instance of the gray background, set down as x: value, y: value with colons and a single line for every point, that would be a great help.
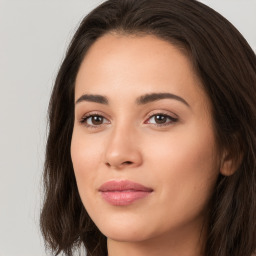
x: 33, y: 37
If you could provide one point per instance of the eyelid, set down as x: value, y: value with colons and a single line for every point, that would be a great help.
x: 94, y: 113
x: 161, y: 112
x: 83, y: 119
x: 174, y: 118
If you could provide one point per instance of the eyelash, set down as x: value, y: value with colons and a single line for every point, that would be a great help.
x: 170, y: 122
x: 85, y: 118
x: 88, y: 116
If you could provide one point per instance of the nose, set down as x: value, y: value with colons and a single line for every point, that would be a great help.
x: 122, y: 150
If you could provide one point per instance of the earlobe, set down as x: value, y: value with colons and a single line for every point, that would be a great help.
x: 230, y: 164
x: 227, y: 168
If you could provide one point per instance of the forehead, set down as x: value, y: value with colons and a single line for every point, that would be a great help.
x: 141, y: 64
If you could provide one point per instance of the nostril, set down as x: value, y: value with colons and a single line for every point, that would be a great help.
x: 127, y: 162
x: 119, y: 165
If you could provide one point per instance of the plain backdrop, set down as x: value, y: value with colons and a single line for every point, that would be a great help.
x: 33, y: 38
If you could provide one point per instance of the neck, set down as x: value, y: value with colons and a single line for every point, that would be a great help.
x: 182, y: 243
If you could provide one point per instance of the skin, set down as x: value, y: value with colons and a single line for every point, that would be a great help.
x: 178, y: 160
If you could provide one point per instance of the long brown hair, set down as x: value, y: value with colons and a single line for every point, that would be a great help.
x: 226, y: 65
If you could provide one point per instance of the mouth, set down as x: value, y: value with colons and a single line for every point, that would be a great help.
x: 124, y: 192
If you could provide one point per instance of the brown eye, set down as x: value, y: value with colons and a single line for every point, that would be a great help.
x: 94, y: 120
x: 161, y: 120
x: 97, y: 120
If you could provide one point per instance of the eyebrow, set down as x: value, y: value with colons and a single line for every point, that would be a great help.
x: 93, y: 98
x: 144, y: 99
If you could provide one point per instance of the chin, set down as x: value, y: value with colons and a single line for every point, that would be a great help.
x: 127, y: 235
x: 125, y: 230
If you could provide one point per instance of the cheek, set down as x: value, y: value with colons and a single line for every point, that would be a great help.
x: 85, y: 151
x: 185, y: 168
x: 184, y: 149
x: 85, y: 155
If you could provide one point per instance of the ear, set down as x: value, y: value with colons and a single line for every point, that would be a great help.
x: 230, y: 164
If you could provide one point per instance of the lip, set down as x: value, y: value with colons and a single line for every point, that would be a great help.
x: 123, y: 192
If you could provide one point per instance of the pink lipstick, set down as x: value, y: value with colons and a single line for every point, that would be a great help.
x: 123, y: 192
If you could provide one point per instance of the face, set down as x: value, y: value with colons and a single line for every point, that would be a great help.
x: 143, y: 146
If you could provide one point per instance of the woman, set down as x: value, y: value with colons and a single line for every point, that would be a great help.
x: 152, y: 141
